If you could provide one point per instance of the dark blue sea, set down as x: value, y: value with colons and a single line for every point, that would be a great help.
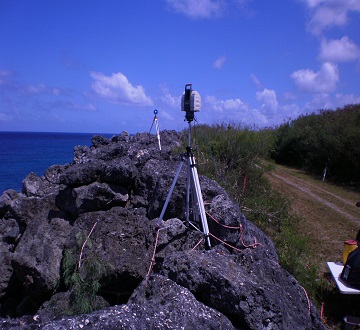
x: 25, y: 152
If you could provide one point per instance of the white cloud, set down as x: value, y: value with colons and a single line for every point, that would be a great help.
x: 323, y: 81
x: 289, y: 111
x: 319, y: 101
x: 117, y: 89
x: 167, y: 115
x: 328, y: 13
x: 232, y: 110
x: 289, y: 96
x: 197, y: 8
x: 225, y: 105
x: 270, y: 112
x: 219, y: 63
x: 312, y: 3
x: 256, y: 81
x: 11, y: 85
x: 325, y: 17
x: 268, y: 99
x: 339, y: 50
x: 274, y: 112
x: 170, y: 100
x: 329, y: 101
x: 345, y: 99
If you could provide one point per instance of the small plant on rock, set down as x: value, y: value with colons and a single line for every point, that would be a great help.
x: 82, y: 271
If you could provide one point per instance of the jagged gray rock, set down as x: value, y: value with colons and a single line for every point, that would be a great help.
x: 115, y: 189
x: 157, y: 303
x: 93, y: 197
x: 251, y: 297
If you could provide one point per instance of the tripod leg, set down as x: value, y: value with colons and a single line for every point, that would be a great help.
x: 170, y: 193
x: 195, y: 210
x: 158, y: 132
x: 200, y: 201
x: 152, y: 125
x: 188, y: 182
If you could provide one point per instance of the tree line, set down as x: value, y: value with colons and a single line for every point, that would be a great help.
x: 328, y: 139
x: 324, y: 140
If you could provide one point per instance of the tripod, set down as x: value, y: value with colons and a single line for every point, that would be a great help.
x: 192, y: 189
x: 156, y: 121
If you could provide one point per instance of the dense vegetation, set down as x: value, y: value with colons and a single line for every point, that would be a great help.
x: 327, y: 139
x: 238, y: 156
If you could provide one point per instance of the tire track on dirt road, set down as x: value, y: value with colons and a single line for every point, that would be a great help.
x: 343, y: 200
x: 311, y: 193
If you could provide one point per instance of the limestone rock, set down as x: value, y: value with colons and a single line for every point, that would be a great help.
x: 106, y: 205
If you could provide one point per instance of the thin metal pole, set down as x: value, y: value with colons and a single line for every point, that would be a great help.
x: 200, y: 201
x: 157, y: 131
x: 170, y: 193
x: 188, y: 177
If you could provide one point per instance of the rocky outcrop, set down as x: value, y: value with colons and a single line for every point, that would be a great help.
x: 147, y: 277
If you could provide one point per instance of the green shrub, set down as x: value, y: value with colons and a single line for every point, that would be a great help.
x: 82, y: 273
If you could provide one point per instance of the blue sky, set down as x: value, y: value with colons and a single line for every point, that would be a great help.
x: 105, y: 66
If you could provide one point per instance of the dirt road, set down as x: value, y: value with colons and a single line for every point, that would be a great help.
x: 328, y: 213
x: 322, y: 196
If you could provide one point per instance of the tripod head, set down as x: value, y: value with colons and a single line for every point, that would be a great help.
x: 190, y: 102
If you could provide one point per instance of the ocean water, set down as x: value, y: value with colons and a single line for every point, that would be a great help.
x: 25, y: 152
